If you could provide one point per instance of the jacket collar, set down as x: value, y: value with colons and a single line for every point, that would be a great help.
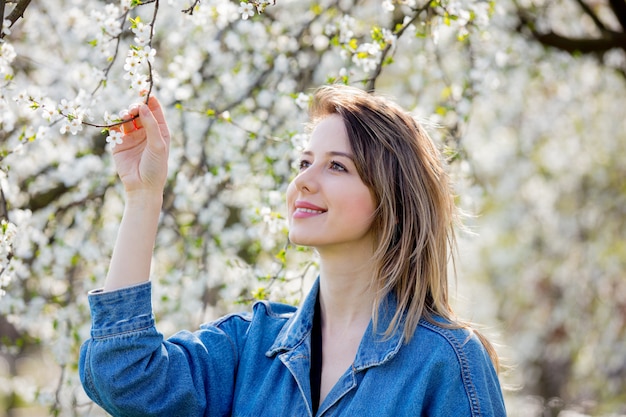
x: 375, y: 347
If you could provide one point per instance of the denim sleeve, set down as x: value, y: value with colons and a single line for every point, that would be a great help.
x: 130, y: 370
x: 469, y: 374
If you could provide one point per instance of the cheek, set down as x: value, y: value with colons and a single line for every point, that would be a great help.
x: 366, y: 199
x: 291, y: 196
x: 362, y: 204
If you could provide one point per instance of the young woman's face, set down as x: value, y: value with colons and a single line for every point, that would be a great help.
x: 329, y: 206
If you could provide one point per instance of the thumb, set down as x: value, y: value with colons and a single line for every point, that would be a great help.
x: 153, y: 134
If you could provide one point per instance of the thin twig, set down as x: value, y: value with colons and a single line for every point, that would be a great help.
x: 191, y: 8
x: 150, y: 73
x: 371, y: 81
x: 107, y: 70
x: 117, y: 48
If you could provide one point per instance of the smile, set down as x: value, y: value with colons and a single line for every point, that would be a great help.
x: 308, y: 210
x: 304, y: 209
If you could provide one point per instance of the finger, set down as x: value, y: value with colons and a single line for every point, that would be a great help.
x: 156, y: 141
x: 156, y: 109
x: 137, y: 123
x: 127, y: 126
x: 130, y: 126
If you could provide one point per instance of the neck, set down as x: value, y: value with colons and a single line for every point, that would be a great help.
x: 346, y: 297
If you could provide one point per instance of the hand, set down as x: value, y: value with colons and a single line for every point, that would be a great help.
x: 141, y: 159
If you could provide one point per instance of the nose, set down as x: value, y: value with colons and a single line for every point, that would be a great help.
x: 306, y: 180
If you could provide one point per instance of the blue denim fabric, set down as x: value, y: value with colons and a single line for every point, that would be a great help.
x: 257, y: 365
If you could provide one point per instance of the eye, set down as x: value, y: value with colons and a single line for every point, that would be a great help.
x: 303, y: 164
x: 336, y: 166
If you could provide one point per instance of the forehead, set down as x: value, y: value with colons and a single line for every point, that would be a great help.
x: 330, y: 133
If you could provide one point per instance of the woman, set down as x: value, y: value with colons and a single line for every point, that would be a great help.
x: 375, y: 336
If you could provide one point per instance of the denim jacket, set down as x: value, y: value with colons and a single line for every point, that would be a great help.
x: 257, y: 364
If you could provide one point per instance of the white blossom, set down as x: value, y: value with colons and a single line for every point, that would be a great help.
x: 7, y: 55
x: 143, y: 33
x: 302, y: 100
x: 5, y: 29
x: 246, y: 10
x: 388, y: 5
x: 114, y: 138
x: 139, y: 82
x: 72, y: 124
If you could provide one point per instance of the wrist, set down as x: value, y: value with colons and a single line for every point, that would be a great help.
x: 144, y: 199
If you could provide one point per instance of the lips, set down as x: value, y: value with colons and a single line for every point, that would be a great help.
x: 305, y: 209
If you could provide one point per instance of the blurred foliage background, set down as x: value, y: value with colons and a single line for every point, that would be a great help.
x: 525, y: 97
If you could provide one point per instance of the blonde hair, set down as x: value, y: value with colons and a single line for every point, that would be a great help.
x: 416, y: 215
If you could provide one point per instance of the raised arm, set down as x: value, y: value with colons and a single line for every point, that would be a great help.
x: 126, y: 366
x: 141, y: 163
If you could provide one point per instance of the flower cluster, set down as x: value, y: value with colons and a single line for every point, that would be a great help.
x: 140, y: 57
x: 114, y: 136
x: 109, y: 28
x: 136, y: 65
x: 69, y: 114
x: 366, y: 56
x: 247, y: 7
x: 7, y: 234
x: 73, y: 116
x: 303, y: 100
x: 7, y: 55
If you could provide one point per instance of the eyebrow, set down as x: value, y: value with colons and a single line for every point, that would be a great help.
x: 332, y: 153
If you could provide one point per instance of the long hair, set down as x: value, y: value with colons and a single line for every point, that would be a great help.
x: 415, y: 219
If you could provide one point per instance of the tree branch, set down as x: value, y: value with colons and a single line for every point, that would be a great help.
x: 608, y: 40
x: 4, y: 212
x: 619, y: 9
x: 2, y: 4
x: 18, y: 11
x: 596, y: 20
x: 582, y: 45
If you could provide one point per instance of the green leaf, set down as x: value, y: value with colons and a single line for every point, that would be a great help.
x: 260, y: 293
x: 282, y: 256
x: 135, y: 21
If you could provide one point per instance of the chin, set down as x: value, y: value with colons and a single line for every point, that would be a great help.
x: 299, y: 240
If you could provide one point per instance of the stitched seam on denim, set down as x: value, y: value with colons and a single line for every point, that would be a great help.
x: 123, y: 333
x: 236, y: 352
x: 107, y: 297
x: 287, y: 362
x: 234, y: 316
x: 276, y: 349
x: 340, y: 395
x: 468, y: 383
x: 270, y: 311
x: 377, y: 362
x: 89, y: 378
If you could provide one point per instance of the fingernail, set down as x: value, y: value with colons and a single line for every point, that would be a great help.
x: 143, y: 109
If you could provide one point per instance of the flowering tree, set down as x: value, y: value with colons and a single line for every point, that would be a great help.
x: 553, y: 250
x: 235, y: 78
x: 598, y: 29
